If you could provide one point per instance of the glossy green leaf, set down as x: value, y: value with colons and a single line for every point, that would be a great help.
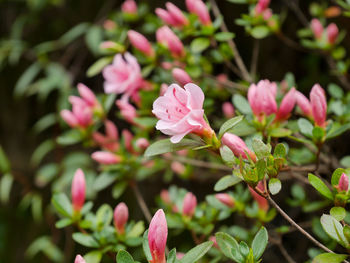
x: 320, y: 186
x: 334, y: 229
x: 197, y: 252
x: 329, y: 258
x: 165, y: 146
x: 85, y: 240
x: 226, y: 182
x: 260, y: 32
x: 261, y: 149
x: 62, y: 204
x: 124, y: 257
x: 200, y: 44
x: 260, y: 242
x: 229, y: 124
x: 226, y: 244
x: 275, y: 186
x: 338, y: 212
x: 305, y: 127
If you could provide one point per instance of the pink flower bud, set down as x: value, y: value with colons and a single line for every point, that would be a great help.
x: 201, y: 10
x: 87, y: 95
x: 127, y: 110
x: 213, y: 239
x: 111, y: 130
x: 267, y: 14
x: 142, y: 143
x: 176, y: 14
x: 181, y: 76
x: 179, y: 255
x: 178, y: 168
x: 121, y: 215
x: 164, y: 195
x: 287, y: 105
x: 262, y: 202
x: 237, y: 146
x: 129, y: 7
x: 228, y: 110
x: 99, y: 138
x: 107, y: 45
x: 128, y: 137
x: 332, y: 33
x: 69, y: 118
x: 226, y: 199
x: 303, y: 103
x: 165, y: 16
x: 317, y: 28
x: 79, y: 259
x: 78, y: 190
x: 77, y: 101
x: 106, y: 158
x: 157, y: 236
x: 261, y: 6
x: 163, y: 89
x: 167, y: 37
x: 83, y: 115
x: 190, y: 4
x: 318, y: 105
x: 343, y: 184
x: 141, y: 43
x: 109, y: 24
x: 189, y: 204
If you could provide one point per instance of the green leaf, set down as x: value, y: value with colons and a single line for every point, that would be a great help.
x: 345, y: 161
x: 197, y: 252
x: 145, y: 246
x: 279, y: 151
x: 97, y: 67
x: 226, y: 182
x: 171, y: 256
x: 26, y: 79
x: 74, y: 33
x: 229, y: 124
x: 318, y: 133
x: 241, y: 104
x: 329, y: 258
x: 260, y: 32
x: 5, y: 166
x: 335, y: 91
x: 69, y: 137
x: 119, y: 189
x: 336, y: 176
x: 94, y: 256
x: 136, y: 230
x: 338, y: 131
x: 260, y: 148
x: 260, y: 242
x: 41, y: 151
x: 104, y: 180
x: 63, y: 222
x: 124, y: 257
x: 320, y: 186
x: 275, y: 186
x: 280, y: 132
x: 199, y: 44
x: 224, y: 36
x: 85, y: 240
x: 104, y: 216
x: 338, y: 213
x: 334, y: 229
x: 305, y: 127
x: 6, y: 183
x: 93, y: 38
x: 165, y: 146
x: 45, y: 122
x: 226, y: 244
x: 62, y: 204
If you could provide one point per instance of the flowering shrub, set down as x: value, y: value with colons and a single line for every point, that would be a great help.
x: 179, y: 105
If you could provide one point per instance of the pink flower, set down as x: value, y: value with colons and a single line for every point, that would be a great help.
x: 262, y: 202
x: 123, y: 76
x: 317, y: 28
x: 107, y: 45
x: 163, y: 89
x: 303, y: 103
x: 165, y: 16
x: 121, y: 215
x: 228, y: 110
x: 332, y: 33
x: 129, y: 7
x: 128, y: 137
x: 200, y: 9
x: 213, y: 239
x: 110, y: 141
x: 181, y: 76
x: 165, y: 196
x: 179, y: 255
x: 111, y: 130
x: 79, y: 259
x: 142, y: 143
x: 343, y: 184
x: 261, y: 98
x: 237, y: 146
x: 87, y: 95
x: 127, y: 110
x: 141, y: 43
x: 267, y: 14
x: 109, y: 24
x: 167, y: 37
x: 261, y: 6
x: 180, y: 112
x: 80, y: 116
x: 226, y: 199
x: 318, y: 105
x: 78, y: 190
x: 189, y: 204
x: 157, y: 236
x: 69, y: 118
x: 177, y: 14
x: 287, y: 105
x: 178, y: 167
x: 106, y: 158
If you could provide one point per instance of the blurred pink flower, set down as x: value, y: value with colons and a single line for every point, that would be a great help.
x: 318, y: 105
x: 228, y: 110
x: 317, y: 28
x: 167, y: 37
x: 181, y: 76
x: 303, y: 103
x: 129, y: 7
x: 127, y: 110
x: 199, y: 8
x: 173, y: 16
x: 332, y: 33
x: 121, y: 215
x: 106, y: 158
x: 79, y: 259
x: 189, y: 204
x: 226, y: 199
x: 261, y: 6
x: 78, y: 190
x: 287, y: 105
x: 141, y: 43
x: 343, y: 184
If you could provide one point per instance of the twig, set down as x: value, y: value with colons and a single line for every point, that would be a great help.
x: 141, y: 201
x: 285, y: 253
x: 295, y: 7
x: 227, y: 83
x: 289, y: 42
x: 238, y: 59
x: 255, y: 57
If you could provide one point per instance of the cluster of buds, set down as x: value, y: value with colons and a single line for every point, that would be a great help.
x: 328, y: 35
x: 173, y: 16
x: 83, y: 108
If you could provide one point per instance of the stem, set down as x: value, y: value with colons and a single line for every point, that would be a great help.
x: 141, y: 201
x: 285, y: 253
x: 293, y: 223
x: 255, y: 57
x: 232, y: 45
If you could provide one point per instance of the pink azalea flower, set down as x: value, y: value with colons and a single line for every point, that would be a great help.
x: 167, y: 37
x: 318, y: 105
x: 189, y: 204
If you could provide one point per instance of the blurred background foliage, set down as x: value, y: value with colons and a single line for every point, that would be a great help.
x: 46, y: 48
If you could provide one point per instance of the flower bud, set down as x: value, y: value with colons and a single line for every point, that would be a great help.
x: 167, y: 37
x: 163, y: 89
x: 129, y: 7
x: 165, y: 16
x: 83, y: 114
x: 178, y: 167
x: 332, y: 33
x: 237, y: 146
x: 262, y: 202
x: 121, y: 215
x: 106, y: 158
x: 127, y: 110
x: 69, y: 118
x: 164, y: 195
x: 213, y: 239
x: 200, y: 9
x: 226, y: 199
x: 142, y: 143
x: 157, y: 236
x: 78, y: 190
x: 128, y: 137
x: 189, y: 204
x: 317, y: 28
x: 318, y: 105
x: 176, y: 14
x: 228, y: 110
x: 261, y: 6
x: 141, y: 43
x: 111, y: 130
x: 303, y: 103
x: 181, y: 76
x: 343, y: 184
x: 109, y: 24
x: 287, y: 105
x: 190, y: 4
x: 179, y: 255
x: 79, y: 259
x: 87, y: 95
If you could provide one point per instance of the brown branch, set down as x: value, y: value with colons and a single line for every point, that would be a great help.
x: 141, y: 201
x: 255, y: 58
